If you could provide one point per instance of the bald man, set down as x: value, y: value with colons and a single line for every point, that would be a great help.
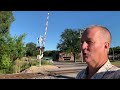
x: 95, y: 44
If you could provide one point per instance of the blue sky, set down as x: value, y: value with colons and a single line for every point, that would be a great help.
x: 33, y: 24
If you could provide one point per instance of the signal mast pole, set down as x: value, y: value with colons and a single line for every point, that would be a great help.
x: 41, y: 41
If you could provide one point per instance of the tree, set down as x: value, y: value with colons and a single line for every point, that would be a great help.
x: 70, y: 42
x: 6, y: 18
x: 17, y: 46
x: 31, y: 49
x: 116, y: 50
x: 11, y: 48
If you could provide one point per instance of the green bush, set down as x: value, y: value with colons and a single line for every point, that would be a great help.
x: 45, y: 62
x: 24, y: 66
x: 6, y: 63
x: 6, y: 71
x: 7, y: 67
x: 33, y: 62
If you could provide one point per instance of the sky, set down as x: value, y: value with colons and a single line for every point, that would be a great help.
x: 33, y: 24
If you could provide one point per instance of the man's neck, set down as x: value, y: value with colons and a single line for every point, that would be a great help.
x: 91, y: 72
x: 93, y: 69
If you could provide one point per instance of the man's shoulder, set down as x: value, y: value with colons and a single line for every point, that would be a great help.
x: 81, y: 74
x: 113, y: 73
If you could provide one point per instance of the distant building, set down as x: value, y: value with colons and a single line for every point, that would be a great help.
x: 62, y: 56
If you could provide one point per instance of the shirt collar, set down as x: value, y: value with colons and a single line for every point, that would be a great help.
x: 101, y: 72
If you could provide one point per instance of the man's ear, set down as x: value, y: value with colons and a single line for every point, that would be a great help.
x: 107, y: 46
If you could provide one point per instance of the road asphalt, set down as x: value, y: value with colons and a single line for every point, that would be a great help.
x: 68, y: 70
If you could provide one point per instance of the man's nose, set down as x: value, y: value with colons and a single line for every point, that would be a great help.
x: 84, y: 45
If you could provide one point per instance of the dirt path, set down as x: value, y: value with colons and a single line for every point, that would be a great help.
x: 32, y: 72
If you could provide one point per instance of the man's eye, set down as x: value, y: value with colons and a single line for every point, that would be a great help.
x: 89, y: 42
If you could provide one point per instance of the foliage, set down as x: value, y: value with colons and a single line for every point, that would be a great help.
x: 5, y: 62
x: 15, y: 47
x: 6, y: 18
x: 115, y: 49
x: 11, y: 48
x: 24, y: 63
x: 45, y: 62
x: 50, y: 53
x: 31, y: 49
x: 70, y: 42
x: 19, y: 49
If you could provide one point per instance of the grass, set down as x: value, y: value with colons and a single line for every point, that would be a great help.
x: 116, y: 63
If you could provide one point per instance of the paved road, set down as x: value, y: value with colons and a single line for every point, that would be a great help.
x: 68, y: 70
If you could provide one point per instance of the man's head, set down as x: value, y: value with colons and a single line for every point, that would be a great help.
x: 95, y: 43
